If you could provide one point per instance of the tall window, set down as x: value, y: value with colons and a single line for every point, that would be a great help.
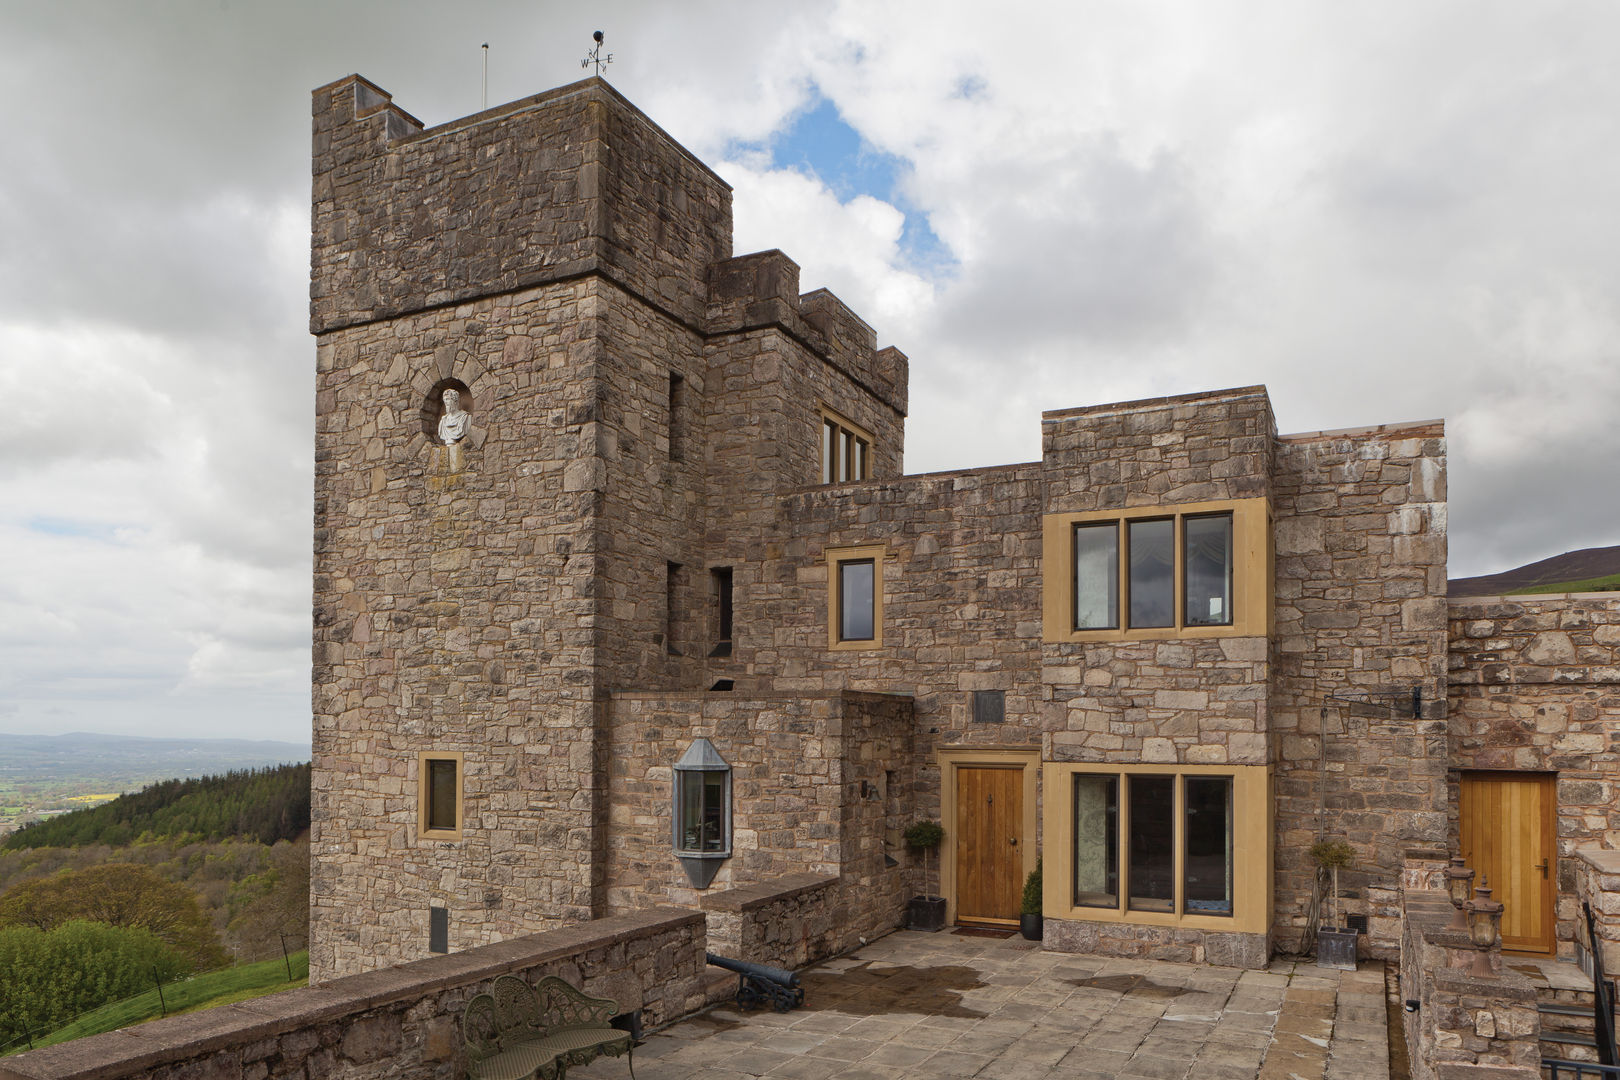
x: 856, y: 611
x: 1171, y: 820
x: 846, y: 450
x: 855, y: 597
x: 1190, y: 556
x: 439, y: 796
x: 720, y: 576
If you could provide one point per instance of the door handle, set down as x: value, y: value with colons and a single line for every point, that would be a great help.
x: 1013, y: 841
x: 1542, y: 866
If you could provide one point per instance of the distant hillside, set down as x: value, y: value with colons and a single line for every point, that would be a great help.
x: 1588, y: 570
x: 127, y: 762
x: 265, y: 805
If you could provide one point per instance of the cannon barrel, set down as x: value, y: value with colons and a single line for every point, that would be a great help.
x: 780, y: 976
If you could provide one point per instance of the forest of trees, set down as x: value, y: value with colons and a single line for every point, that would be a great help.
x: 175, y: 879
x: 265, y: 805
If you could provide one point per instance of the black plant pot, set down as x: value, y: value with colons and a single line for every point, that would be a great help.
x: 1336, y: 948
x: 926, y: 913
x: 1030, y: 926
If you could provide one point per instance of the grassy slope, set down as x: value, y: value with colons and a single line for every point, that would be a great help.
x: 1610, y: 581
x: 202, y: 992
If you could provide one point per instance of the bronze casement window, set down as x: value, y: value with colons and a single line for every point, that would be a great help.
x: 855, y: 597
x: 439, y: 795
x: 846, y: 450
x: 1139, y: 566
x: 1129, y: 830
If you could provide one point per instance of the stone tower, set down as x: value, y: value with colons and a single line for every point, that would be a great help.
x: 635, y: 397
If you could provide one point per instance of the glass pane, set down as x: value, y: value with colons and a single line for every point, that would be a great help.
x: 1208, y: 866
x: 713, y: 836
x: 845, y: 439
x: 441, y: 794
x: 1096, y: 576
x: 855, y: 621
x: 1153, y: 565
x: 1208, y: 559
x: 1153, y: 844
x: 859, y: 472
x: 690, y: 807
x: 829, y: 437
x: 1096, y: 841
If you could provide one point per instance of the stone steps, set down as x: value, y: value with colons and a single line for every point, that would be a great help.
x: 1566, y: 1025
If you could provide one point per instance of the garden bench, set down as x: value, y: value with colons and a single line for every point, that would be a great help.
x: 518, y: 1031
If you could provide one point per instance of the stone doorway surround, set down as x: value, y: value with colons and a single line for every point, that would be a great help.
x: 1025, y: 759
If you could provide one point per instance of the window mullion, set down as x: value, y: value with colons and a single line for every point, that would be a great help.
x: 1178, y: 859
x: 1178, y: 588
x: 1124, y: 841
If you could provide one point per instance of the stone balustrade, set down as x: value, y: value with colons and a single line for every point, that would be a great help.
x: 1465, y: 1027
x: 399, y: 1023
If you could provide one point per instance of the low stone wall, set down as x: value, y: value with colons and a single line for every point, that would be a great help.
x: 1597, y: 882
x: 1465, y: 1027
x: 787, y: 922
x: 400, y: 1023
x: 1171, y: 943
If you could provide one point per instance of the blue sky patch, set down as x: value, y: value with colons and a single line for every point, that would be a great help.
x: 820, y: 141
x: 88, y: 530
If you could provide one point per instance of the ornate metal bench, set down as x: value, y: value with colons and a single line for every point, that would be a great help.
x: 518, y: 1031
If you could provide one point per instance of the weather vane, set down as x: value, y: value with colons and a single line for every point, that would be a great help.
x: 595, y: 55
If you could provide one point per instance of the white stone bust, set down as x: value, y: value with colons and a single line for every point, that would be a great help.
x: 453, y: 424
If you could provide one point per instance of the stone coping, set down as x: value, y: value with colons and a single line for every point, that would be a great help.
x: 128, y: 1050
x: 1236, y: 393
x: 1604, y: 862
x: 892, y: 483
x: 1518, y: 599
x: 1430, y: 427
x: 764, y: 695
x: 752, y: 897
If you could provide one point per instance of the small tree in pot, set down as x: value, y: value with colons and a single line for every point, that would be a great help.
x: 1335, y: 944
x: 927, y: 912
x: 1030, y: 919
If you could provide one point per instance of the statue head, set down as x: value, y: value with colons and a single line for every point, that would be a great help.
x: 452, y: 401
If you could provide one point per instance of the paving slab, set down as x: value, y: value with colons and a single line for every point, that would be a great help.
x: 944, y: 1005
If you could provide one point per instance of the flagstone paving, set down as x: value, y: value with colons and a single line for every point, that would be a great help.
x: 943, y: 1005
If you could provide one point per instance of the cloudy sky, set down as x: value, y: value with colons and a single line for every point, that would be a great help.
x: 1383, y: 212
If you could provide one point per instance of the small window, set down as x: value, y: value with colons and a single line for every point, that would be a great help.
x: 855, y: 597
x: 989, y: 706
x: 856, y: 611
x: 439, y: 796
x: 672, y: 586
x: 845, y: 450
x: 677, y: 417
x: 702, y: 811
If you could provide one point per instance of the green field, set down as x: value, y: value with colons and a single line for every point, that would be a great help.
x: 1596, y: 584
x: 187, y: 995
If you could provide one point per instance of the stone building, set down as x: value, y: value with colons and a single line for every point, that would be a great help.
x: 648, y: 610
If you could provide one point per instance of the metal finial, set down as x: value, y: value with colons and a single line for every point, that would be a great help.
x: 595, y: 55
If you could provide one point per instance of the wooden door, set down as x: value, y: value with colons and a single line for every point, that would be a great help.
x: 1508, y: 823
x: 989, y: 843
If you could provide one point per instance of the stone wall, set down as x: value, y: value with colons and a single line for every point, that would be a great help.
x: 786, y: 922
x: 569, y: 182
x: 1360, y: 524
x: 1535, y: 686
x: 1465, y: 1027
x: 819, y: 784
x: 1597, y: 883
x: 398, y: 1024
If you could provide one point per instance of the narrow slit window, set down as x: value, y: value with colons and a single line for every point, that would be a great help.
x: 672, y: 579
x: 721, y: 578
x: 677, y: 417
x: 439, y: 796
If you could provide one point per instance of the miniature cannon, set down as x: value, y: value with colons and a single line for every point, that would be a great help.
x: 759, y: 984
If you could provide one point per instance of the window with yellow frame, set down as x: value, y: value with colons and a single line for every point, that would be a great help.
x: 439, y: 795
x: 855, y: 597
x: 1195, y: 570
x: 1158, y: 844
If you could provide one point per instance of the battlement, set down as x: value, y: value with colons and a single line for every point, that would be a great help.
x: 572, y: 181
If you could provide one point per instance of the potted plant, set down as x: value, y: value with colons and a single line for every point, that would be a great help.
x: 1335, y: 944
x: 1029, y: 910
x: 926, y: 912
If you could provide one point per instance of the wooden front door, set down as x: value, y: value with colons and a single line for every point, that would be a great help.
x: 989, y: 843
x: 1508, y: 823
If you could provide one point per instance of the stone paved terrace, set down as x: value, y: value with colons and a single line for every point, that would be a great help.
x: 948, y: 1005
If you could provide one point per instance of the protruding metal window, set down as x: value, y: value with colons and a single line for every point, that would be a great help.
x: 702, y: 812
